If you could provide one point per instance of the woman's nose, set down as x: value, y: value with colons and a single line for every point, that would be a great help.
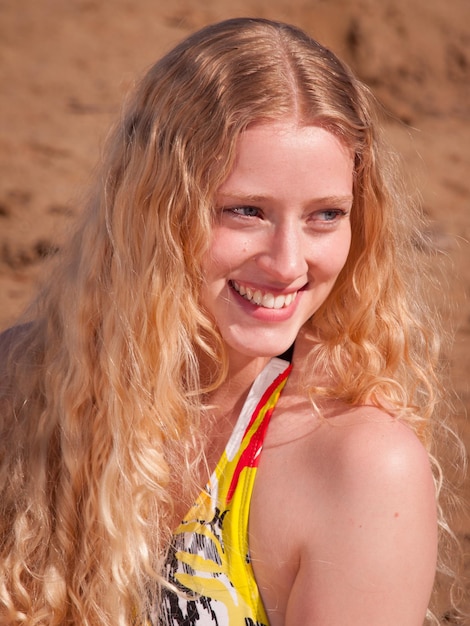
x: 284, y: 257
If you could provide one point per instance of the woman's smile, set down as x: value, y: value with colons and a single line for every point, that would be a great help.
x: 263, y: 298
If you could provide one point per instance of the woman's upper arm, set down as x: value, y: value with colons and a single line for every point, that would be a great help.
x: 368, y: 544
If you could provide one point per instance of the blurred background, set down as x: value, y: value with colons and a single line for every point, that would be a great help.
x: 66, y: 65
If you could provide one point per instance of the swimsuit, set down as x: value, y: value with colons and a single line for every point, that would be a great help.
x: 209, y: 560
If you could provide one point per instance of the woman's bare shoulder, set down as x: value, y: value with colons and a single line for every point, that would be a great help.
x: 365, y: 437
x: 359, y: 502
x: 344, y: 464
x: 358, y: 454
x: 355, y: 489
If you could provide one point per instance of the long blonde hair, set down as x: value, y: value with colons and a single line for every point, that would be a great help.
x: 101, y: 399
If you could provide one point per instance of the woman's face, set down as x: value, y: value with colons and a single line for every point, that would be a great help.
x: 281, y: 235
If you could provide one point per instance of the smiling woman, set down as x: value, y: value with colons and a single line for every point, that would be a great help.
x: 223, y: 406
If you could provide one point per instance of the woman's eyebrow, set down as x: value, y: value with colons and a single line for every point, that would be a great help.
x: 242, y: 196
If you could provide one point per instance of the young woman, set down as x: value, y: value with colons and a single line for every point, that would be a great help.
x: 221, y: 408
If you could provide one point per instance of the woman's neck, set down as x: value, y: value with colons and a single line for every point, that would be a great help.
x: 240, y: 376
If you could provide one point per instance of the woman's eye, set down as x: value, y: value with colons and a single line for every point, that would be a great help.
x: 244, y: 211
x: 330, y: 215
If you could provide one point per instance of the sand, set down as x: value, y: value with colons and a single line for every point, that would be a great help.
x: 67, y: 64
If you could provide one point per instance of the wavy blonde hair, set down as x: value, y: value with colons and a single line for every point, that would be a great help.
x: 102, y: 411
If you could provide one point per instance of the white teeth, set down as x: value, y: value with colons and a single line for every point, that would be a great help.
x: 280, y: 301
x: 266, y: 300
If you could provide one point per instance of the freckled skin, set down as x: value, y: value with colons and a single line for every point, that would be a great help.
x: 283, y: 226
